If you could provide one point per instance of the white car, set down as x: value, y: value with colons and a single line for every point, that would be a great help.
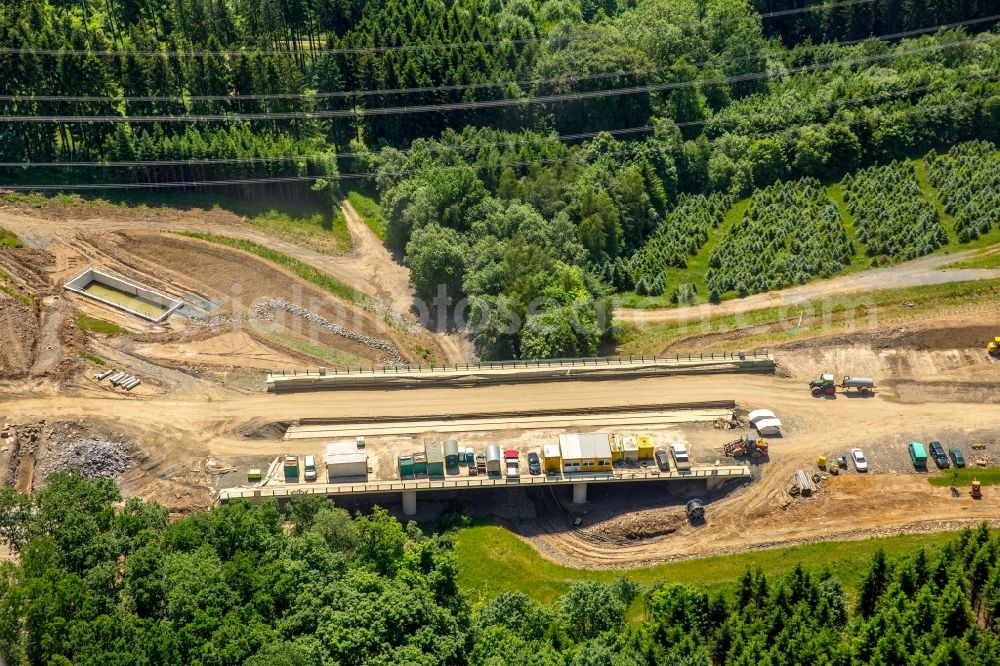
x: 858, y: 456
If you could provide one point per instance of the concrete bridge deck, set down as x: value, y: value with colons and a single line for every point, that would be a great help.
x: 517, y: 371
x: 712, y: 475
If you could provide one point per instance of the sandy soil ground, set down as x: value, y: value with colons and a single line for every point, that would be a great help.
x: 922, y: 271
x: 219, y: 350
x: 186, y: 430
x: 369, y: 267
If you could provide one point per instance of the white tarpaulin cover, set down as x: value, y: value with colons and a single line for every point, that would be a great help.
x: 766, y: 426
x: 759, y: 414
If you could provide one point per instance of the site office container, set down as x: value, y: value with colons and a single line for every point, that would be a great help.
x: 406, y: 466
x: 451, y: 452
x: 645, y: 443
x: 291, y: 467
x: 419, y: 464
x: 434, y: 450
x: 623, y: 449
x: 918, y: 455
x: 493, y: 459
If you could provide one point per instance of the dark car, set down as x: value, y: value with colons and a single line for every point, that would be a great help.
x: 957, y: 456
x: 937, y: 452
x: 534, y: 464
x: 662, y: 461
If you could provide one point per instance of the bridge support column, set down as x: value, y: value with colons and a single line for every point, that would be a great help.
x: 713, y: 482
x: 255, y: 500
x: 409, y: 502
x: 579, y: 493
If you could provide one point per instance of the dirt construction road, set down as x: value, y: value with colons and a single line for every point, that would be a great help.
x: 923, y: 271
x: 750, y: 517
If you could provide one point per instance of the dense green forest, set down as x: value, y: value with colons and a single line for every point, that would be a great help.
x: 101, y: 581
x: 531, y: 157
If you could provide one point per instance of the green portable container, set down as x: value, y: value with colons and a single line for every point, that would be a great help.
x: 405, y: 466
x: 419, y: 464
x: 434, y: 450
x: 451, y: 453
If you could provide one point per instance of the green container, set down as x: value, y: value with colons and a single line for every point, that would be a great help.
x: 405, y: 466
x: 419, y: 464
x: 451, y: 453
x: 434, y: 450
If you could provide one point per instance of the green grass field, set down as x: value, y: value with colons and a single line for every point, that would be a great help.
x: 492, y: 560
x: 989, y: 259
x: 370, y: 212
x: 988, y: 476
x: 323, y: 352
x: 305, y: 219
x: 7, y: 287
x: 325, y: 233
x: 9, y: 239
x: 889, y: 305
x: 303, y: 270
x: 94, y: 325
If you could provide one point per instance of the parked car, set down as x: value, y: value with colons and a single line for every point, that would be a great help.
x: 858, y: 456
x: 534, y: 464
x: 957, y: 457
x: 937, y: 452
x: 310, y: 468
x: 682, y: 462
x: 662, y: 461
x: 918, y: 456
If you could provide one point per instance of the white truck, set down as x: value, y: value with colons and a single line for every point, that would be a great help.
x: 682, y: 462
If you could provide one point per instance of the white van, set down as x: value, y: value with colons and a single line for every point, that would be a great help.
x: 310, y: 468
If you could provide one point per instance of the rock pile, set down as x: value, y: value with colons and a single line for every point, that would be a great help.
x: 264, y: 311
x: 93, y: 458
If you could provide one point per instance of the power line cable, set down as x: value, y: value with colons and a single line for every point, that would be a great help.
x: 471, y: 145
x: 420, y: 89
x: 431, y: 108
x: 195, y: 53
x: 362, y: 175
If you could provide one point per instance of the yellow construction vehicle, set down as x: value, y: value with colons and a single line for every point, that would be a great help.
x: 993, y: 347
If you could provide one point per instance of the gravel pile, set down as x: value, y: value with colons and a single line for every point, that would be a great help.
x: 264, y: 311
x: 93, y: 458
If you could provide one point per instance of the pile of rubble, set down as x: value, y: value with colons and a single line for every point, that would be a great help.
x: 93, y: 458
x: 264, y: 311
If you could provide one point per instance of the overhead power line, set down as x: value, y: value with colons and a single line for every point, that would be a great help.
x: 379, y: 92
x: 470, y: 145
x: 456, y: 106
x: 568, y: 158
x: 196, y: 53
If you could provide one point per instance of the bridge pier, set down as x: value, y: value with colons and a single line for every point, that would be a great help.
x: 409, y: 502
x: 713, y: 482
x: 579, y: 493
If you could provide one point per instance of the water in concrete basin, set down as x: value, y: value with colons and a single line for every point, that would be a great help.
x: 125, y: 300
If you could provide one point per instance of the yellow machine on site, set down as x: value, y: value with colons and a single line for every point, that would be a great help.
x: 993, y: 347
